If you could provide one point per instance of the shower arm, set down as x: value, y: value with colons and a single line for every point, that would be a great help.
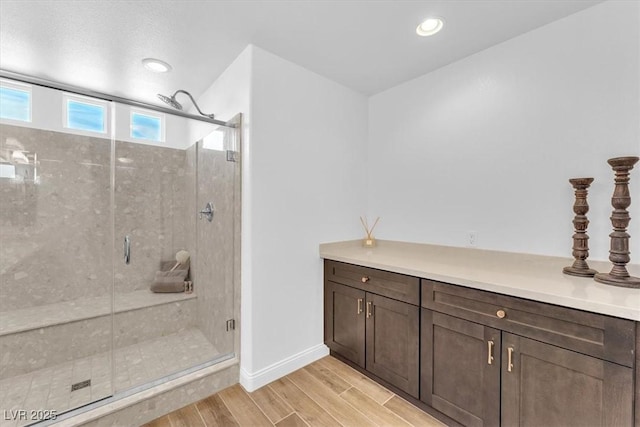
x: 193, y: 101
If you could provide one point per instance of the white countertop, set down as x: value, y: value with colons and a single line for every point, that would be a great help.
x: 534, y: 277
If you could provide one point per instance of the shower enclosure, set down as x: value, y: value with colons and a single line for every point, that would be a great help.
x: 96, y: 199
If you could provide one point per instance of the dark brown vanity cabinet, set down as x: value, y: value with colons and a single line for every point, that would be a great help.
x: 481, y: 358
x: 366, y: 325
x: 393, y: 336
x: 461, y: 369
x: 344, y: 330
x: 484, y: 368
x: 545, y: 385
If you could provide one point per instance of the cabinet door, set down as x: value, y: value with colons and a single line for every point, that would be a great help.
x: 344, y: 321
x: 461, y: 369
x: 544, y: 385
x: 393, y: 342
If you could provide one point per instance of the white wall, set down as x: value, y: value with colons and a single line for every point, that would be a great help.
x: 307, y: 186
x: 304, y: 141
x: 488, y: 143
x: 227, y: 96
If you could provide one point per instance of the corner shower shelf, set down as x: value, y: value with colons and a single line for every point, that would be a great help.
x: 83, y: 308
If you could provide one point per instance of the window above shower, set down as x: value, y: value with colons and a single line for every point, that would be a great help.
x: 146, y: 125
x: 15, y: 101
x: 85, y: 115
x: 44, y: 108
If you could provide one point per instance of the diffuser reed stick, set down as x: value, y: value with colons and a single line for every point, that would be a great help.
x: 364, y: 224
x: 374, y: 226
x: 370, y: 241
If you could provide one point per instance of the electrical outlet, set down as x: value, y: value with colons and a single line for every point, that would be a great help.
x: 472, y: 238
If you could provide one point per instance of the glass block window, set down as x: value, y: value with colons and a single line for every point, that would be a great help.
x: 147, y: 126
x: 84, y: 115
x: 15, y: 102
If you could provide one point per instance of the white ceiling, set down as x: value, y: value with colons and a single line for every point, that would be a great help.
x: 369, y: 46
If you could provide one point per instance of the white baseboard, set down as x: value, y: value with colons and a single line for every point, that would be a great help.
x: 253, y: 381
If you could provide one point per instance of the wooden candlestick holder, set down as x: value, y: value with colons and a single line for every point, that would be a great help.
x: 619, y: 252
x: 580, y: 238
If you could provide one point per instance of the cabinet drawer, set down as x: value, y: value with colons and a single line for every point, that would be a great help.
x: 392, y: 285
x: 604, y: 337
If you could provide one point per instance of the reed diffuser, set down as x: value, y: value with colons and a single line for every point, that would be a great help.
x: 369, y: 241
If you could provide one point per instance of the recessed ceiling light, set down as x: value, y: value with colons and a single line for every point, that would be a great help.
x: 156, y: 65
x: 429, y: 27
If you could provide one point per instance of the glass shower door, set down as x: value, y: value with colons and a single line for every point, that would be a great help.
x: 151, y: 187
x: 171, y: 298
x: 218, y: 235
x: 56, y: 270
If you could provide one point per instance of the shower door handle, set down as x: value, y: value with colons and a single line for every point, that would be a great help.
x: 127, y: 249
x: 207, y: 211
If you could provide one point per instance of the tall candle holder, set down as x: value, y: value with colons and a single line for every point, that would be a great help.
x: 580, y: 238
x: 619, y: 253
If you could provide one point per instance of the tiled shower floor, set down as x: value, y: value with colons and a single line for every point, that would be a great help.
x: 50, y: 388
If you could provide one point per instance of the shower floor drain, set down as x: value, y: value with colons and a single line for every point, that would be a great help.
x: 81, y: 384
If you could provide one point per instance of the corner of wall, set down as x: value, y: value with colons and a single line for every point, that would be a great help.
x: 246, y: 304
x: 253, y: 381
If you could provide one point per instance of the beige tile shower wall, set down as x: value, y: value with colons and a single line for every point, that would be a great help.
x: 55, y: 232
x: 29, y: 351
x: 35, y: 349
x: 217, y: 183
x: 151, y: 207
x: 136, y: 326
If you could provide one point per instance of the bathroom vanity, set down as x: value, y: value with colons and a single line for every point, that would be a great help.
x: 486, y: 338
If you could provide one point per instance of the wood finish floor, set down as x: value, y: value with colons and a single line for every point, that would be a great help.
x: 325, y: 393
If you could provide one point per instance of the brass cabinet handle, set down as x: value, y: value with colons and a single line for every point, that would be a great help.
x: 501, y: 314
x: 364, y: 279
x: 359, y: 305
x: 510, y: 359
x: 369, y: 309
x: 489, y: 352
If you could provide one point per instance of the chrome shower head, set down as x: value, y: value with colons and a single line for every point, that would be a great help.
x: 175, y: 104
x: 170, y: 101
